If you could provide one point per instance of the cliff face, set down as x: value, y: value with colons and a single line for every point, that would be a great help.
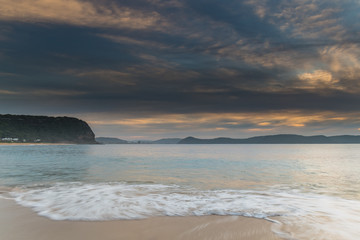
x: 23, y: 128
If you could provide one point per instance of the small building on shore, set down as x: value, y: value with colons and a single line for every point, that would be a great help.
x: 9, y: 139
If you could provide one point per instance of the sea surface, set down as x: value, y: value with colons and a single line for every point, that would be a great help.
x: 309, y: 191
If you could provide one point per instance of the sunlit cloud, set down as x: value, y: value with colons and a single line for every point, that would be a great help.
x: 342, y: 58
x: 264, y: 123
x: 259, y: 129
x: 307, y: 18
x: 318, y: 79
x: 259, y: 7
x: 235, y: 125
x: 220, y: 129
x: 344, y: 63
x: 231, y: 120
x: 76, y: 12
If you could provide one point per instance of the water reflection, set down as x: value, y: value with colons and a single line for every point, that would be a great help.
x: 43, y: 163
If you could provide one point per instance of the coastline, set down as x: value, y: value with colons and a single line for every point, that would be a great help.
x: 17, y: 222
x: 33, y: 144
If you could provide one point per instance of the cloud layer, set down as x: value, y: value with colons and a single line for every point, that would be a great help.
x: 155, y: 59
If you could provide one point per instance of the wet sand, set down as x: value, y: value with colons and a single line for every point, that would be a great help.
x: 18, y: 223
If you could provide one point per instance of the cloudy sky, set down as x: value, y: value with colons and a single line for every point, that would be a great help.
x: 146, y: 69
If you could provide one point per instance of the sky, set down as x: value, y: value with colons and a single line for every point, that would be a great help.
x: 148, y: 69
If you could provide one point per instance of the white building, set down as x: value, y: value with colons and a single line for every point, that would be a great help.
x: 8, y: 139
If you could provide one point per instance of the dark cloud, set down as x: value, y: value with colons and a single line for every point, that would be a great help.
x: 239, y: 16
x: 181, y: 57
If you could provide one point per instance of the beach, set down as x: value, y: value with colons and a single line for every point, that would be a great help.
x: 179, y: 192
x: 17, y: 223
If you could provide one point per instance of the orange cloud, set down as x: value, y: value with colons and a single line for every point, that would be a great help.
x: 318, y: 79
x: 76, y: 12
x: 264, y: 124
x: 259, y: 129
x: 237, y: 125
x: 226, y: 121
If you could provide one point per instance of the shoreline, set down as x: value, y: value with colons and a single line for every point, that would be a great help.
x: 18, y: 222
x: 31, y: 144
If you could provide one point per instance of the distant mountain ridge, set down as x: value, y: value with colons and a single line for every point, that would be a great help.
x: 44, y: 129
x: 277, y: 139
x: 167, y: 141
x: 111, y: 140
x: 269, y: 139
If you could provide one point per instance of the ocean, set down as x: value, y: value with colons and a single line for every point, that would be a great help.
x: 308, y: 191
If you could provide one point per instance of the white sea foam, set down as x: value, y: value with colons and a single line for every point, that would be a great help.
x: 302, y: 214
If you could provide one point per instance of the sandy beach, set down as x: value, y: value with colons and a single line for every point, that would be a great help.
x: 18, y: 223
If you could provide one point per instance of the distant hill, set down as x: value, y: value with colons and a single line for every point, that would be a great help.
x: 109, y: 140
x: 167, y: 141
x: 277, y: 139
x: 43, y: 129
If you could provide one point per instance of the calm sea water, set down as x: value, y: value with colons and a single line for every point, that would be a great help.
x: 308, y: 191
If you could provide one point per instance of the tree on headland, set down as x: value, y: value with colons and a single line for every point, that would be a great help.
x: 24, y: 128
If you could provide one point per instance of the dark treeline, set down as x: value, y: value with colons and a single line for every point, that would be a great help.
x: 24, y: 128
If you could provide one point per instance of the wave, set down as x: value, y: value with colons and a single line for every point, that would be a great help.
x: 299, y: 213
